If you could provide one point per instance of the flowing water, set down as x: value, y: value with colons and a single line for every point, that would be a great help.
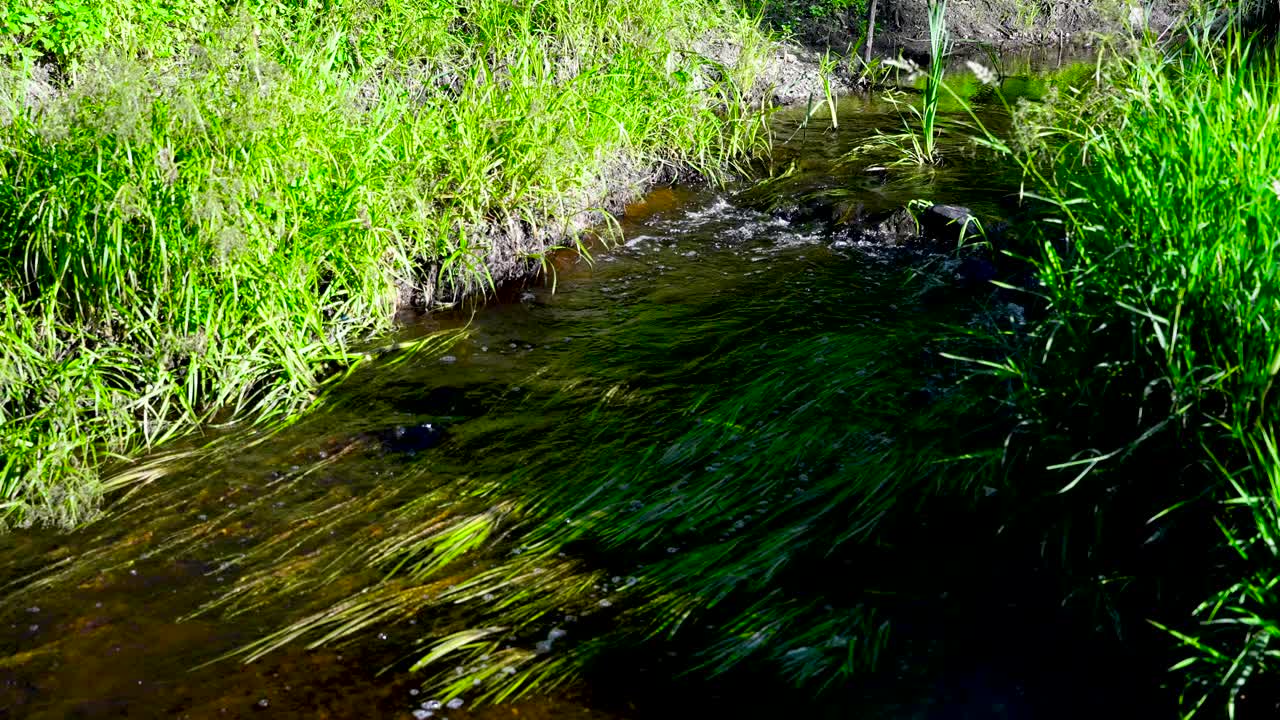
x: 215, y: 548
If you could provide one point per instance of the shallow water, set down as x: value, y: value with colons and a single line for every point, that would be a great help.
x: 103, y: 622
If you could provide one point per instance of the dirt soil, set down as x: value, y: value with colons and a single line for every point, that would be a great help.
x: 1005, y: 24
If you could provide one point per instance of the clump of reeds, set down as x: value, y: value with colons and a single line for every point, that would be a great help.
x: 918, y: 143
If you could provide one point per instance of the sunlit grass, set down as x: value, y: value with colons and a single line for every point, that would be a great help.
x: 1149, y: 386
x: 208, y: 212
x: 918, y: 143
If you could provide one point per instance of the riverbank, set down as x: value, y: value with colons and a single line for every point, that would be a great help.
x: 1145, y: 389
x: 209, y: 209
x: 977, y: 27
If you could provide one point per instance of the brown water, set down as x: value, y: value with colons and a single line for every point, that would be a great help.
x: 123, y: 617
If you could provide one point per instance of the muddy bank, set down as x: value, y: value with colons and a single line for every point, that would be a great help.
x: 787, y: 75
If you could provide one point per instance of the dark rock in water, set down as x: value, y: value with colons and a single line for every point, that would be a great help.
x: 878, y: 174
x: 999, y: 235
x: 849, y: 212
x: 944, y: 225
x: 949, y: 223
x: 801, y: 210
x: 899, y: 227
x: 976, y: 270
x: 410, y: 439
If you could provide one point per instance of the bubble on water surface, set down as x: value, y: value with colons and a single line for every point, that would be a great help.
x: 454, y: 704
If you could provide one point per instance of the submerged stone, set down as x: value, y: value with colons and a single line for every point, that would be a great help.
x: 949, y: 223
x: 411, y: 439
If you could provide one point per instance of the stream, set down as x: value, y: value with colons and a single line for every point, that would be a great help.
x: 211, y: 548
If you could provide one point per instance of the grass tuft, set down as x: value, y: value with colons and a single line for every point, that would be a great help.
x: 1149, y: 387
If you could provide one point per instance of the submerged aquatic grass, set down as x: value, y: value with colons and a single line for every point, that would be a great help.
x: 207, y: 210
x: 719, y: 521
x: 672, y: 518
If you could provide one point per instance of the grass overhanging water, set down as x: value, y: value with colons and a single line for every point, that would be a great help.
x: 1146, y: 388
x: 208, y: 207
x: 1139, y: 420
x: 1140, y: 458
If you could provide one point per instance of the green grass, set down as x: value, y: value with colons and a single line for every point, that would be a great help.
x: 785, y: 13
x: 206, y: 209
x: 1150, y: 385
x: 1140, y: 467
x: 918, y: 143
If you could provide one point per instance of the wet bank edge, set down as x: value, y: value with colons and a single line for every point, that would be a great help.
x: 790, y: 75
x: 517, y: 245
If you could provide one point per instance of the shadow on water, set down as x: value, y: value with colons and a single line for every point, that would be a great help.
x: 733, y: 347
